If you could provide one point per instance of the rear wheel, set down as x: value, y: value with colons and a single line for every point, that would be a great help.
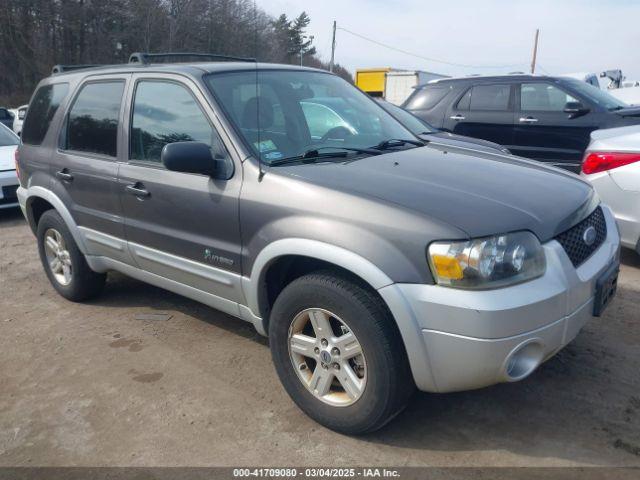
x: 63, y: 262
x: 339, y: 354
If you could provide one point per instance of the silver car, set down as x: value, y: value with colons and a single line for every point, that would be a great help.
x: 612, y: 165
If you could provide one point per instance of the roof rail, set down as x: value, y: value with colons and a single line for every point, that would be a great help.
x: 144, y: 57
x: 65, y: 68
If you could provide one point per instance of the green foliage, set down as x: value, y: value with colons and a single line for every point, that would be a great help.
x: 37, y: 34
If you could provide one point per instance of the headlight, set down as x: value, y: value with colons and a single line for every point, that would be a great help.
x: 489, y: 262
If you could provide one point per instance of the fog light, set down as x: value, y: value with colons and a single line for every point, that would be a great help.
x: 523, y: 360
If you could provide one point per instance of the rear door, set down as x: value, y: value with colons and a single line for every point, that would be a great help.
x: 85, y: 167
x: 180, y: 226
x: 544, y: 131
x: 483, y: 111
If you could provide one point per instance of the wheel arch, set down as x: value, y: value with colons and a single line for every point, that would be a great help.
x: 296, y: 256
x: 38, y: 200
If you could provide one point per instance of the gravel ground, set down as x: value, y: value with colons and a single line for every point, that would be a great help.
x: 93, y: 384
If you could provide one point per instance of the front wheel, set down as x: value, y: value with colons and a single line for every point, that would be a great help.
x: 339, y: 354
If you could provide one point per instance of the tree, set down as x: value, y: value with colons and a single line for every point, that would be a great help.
x: 37, y: 34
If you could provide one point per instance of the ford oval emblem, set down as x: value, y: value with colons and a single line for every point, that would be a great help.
x: 589, y: 235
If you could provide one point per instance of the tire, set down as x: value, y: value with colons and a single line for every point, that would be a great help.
x: 386, y: 384
x: 72, y: 278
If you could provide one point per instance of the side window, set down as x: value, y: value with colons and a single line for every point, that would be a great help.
x: 42, y: 108
x: 543, y: 97
x: 426, y: 98
x: 465, y: 101
x: 166, y: 112
x: 490, y: 97
x: 92, y: 124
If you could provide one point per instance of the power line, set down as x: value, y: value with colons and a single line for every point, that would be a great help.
x: 429, y: 59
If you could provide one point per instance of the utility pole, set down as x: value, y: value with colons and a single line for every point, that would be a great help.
x: 333, y: 47
x: 535, y: 53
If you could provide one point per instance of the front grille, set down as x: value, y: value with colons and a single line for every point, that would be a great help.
x: 9, y: 194
x: 573, y: 239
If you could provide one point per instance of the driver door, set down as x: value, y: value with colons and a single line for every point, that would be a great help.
x: 180, y: 226
x: 543, y: 131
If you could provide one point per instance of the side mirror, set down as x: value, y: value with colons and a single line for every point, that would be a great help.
x: 575, y: 109
x: 190, y: 157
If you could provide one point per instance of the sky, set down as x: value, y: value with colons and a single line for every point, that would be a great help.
x: 575, y: 35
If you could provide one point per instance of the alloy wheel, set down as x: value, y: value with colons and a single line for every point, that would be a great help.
x: 327, y: 357
x: 58, y: 257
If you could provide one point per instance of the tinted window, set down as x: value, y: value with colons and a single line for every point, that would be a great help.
x: 425, y: 98
x: 543, y: 97
x: 165, y: 112
x: 465, y: 101
x: 92, y: 125
x: 490, y: 97
x: 43, y: 107
x: 5, y: 114
x: 600, y: 97
x: 7, y: 137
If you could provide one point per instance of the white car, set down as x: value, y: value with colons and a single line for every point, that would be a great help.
x: 8, y: 179
x: 612, y: 165
x: 18, y: 119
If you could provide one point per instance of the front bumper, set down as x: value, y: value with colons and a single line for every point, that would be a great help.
x: 463, y: 339
x: 8, y: 185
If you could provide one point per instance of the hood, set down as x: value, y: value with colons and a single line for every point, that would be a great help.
x: 447, y: 138
x: 7, y: 159
x: 481, y: 194
x: 628, y: 112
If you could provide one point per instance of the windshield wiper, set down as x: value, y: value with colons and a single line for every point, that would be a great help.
x: 313, y: 155
x: 397, y: 142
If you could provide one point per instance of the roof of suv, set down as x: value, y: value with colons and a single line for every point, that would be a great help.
x: 488, y: 78
x: 192, y: 67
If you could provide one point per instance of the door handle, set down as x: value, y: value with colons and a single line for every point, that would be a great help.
x: 137, y: 190
x: 457, y: 117
x: 528, y: 120
x: 64, y: 175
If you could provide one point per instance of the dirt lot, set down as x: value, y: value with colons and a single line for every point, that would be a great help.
x: 89, y: 384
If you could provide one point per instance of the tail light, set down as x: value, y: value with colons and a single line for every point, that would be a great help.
x: 596, y: 162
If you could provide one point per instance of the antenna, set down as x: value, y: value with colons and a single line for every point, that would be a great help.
x: 255, y: 50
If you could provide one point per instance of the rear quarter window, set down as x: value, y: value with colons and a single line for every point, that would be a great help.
x: 43, y: 107
x: 425, y: 98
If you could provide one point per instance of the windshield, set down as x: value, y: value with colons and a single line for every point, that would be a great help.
x: 408, y: 119
x: 293, y: 112
x: 600, y: 97
x: 7, y: 137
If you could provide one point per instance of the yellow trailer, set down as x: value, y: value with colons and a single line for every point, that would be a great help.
x: 372, y: 80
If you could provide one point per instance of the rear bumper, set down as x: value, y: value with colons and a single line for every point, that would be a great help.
x: 462, y: 339
x: 8, y: 185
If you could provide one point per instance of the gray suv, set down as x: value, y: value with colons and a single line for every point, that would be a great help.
x: 375, y: 262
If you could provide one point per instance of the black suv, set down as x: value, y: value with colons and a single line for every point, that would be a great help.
x: 544, y: 118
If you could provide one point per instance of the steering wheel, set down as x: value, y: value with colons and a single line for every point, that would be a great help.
x: 336, y: 133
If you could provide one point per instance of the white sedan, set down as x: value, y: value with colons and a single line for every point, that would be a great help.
x: 8, y: 179
x: 612, y: 165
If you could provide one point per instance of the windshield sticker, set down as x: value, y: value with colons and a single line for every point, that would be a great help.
x: 265, y: 146
x: 273, y: 155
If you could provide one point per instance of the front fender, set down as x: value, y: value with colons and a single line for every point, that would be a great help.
x: 351, y: 261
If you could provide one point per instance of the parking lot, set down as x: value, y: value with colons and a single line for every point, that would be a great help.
x: 101, y: 384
